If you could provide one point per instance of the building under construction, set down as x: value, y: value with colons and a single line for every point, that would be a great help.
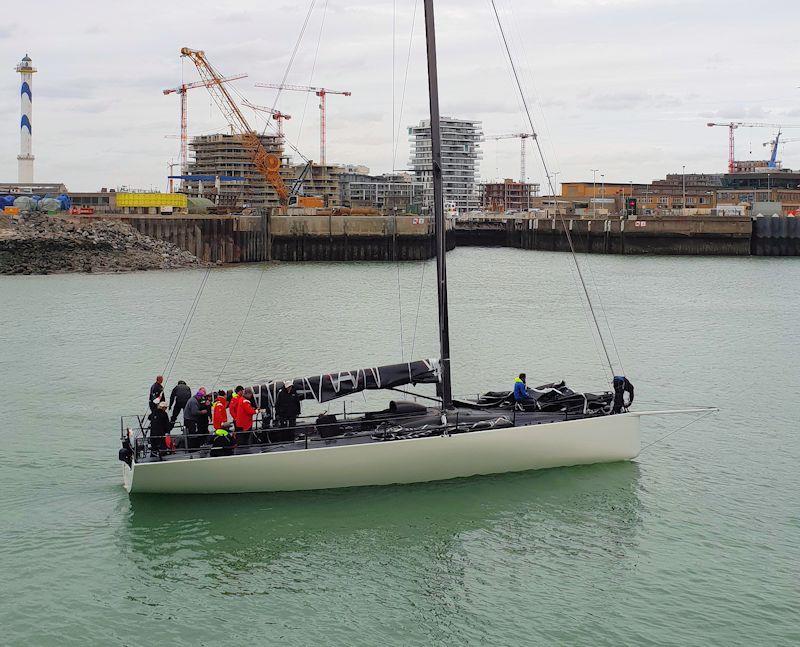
x: 509, y: 195
x: 223, y: 155
x: 320, y: 181
x: 233, y: 182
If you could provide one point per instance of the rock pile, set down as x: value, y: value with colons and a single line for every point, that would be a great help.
x: 41, y: 244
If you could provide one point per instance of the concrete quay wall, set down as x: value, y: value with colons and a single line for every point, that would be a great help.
x: 264, y: 237
x: 696, y: 235
x: 255, y: 238
x: 353, y: 238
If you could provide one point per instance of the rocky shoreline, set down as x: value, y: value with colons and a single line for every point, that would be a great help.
x: 42, y: 244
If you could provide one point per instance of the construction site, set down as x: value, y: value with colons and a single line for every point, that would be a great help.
x: 246, y: 195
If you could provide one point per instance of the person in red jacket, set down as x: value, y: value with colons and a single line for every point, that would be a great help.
x: 219, y: 411
x: 233, y: 405
x: 243, y: 418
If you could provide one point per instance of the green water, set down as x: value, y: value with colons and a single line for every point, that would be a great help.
x: 695, y: 543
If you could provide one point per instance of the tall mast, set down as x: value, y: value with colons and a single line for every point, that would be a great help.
x: 438, y: 207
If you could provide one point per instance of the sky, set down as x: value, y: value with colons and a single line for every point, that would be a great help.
x: 623, y: 86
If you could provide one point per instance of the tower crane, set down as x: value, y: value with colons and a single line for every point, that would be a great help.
x: 522, y: 137
x: 181, y: 90
x: 732, y: 126
x: 266, y: 163
x: 774, y: 144
x: 276, y: 114
x: 321, y: 93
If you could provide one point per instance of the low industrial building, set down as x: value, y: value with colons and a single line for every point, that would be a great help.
x: 32, y: 188
x: 103, y: 201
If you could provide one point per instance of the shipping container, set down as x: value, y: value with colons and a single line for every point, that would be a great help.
x: 151, y: 200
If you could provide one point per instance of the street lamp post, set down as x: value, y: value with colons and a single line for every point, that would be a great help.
x: 630, y: 182
x: 683, y: 177
x: 594, y: 191
x: 603, y: 187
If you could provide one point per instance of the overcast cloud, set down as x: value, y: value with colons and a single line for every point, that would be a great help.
x: 625, y: 86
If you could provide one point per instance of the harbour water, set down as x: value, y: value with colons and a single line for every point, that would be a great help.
x: 694, y: 543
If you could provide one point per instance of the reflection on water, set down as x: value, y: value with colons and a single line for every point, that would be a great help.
x: 238, y: 533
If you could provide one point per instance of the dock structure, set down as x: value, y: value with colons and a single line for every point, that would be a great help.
x: 264, y: 237
x: 700, y: 235
x: 261, y: 237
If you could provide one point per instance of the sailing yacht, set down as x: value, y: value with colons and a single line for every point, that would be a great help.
x: 407, y: 442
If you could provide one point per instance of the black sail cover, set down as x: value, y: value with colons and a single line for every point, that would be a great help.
x: 329, y: 386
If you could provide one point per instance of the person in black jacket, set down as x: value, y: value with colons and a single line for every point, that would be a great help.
x: 287, y: 406
x: 160, y: 426
x: 178, y: 398
x: 156, y: 393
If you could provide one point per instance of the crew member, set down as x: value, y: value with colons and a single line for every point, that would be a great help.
x: 287, y: 405
x: 222, y: 443
x: 234, y: 401
x: 194, y: 414
x: 219, y: 415
x: 178, y: 398
x: 160, y: 426
x: 520, y: 389
x: 156, y: 393
x: 244, y: 418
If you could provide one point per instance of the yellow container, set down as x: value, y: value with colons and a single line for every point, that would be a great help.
x: 13, y: 211
x: 152, y: 200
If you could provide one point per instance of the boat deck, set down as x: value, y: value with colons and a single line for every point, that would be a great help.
x: 387, y: 430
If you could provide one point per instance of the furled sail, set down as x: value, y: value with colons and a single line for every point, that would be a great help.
x: 329, y: 386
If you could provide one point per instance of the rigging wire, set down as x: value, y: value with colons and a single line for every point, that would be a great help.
x: 405, y: 84
x: 173, y: 356
x: 419, y: 303
x: 394, y: 148
x: 396, y: 143
x: 550, y: 183
x: 602, y: 308
x: 176, y: 347
x: 527, y: 70
x: 675, y: 431
x: 241, y: 328
x: 313, y: 68
x: 294, y: 51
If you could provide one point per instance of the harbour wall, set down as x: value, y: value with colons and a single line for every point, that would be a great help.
x: 353, y: 238
x: 775, y: 236
x: 254, y: 238
x: 696, y: 235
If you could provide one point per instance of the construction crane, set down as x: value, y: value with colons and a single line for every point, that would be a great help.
x: 276, y: 114
x: 181, y: 90
x: 321, y: 93
x: 268, y: 164
x: 522, y: 137
x: 773, y: 158
x: 732, y: 126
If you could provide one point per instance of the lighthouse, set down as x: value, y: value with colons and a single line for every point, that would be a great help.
x: 25, y: 157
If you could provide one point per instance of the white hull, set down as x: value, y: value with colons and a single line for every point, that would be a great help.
x: 572, y: 442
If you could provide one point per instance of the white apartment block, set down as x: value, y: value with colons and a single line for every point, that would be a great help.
x: 461, y: 156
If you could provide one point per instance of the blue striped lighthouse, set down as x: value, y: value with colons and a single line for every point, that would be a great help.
x: 25, y: 157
